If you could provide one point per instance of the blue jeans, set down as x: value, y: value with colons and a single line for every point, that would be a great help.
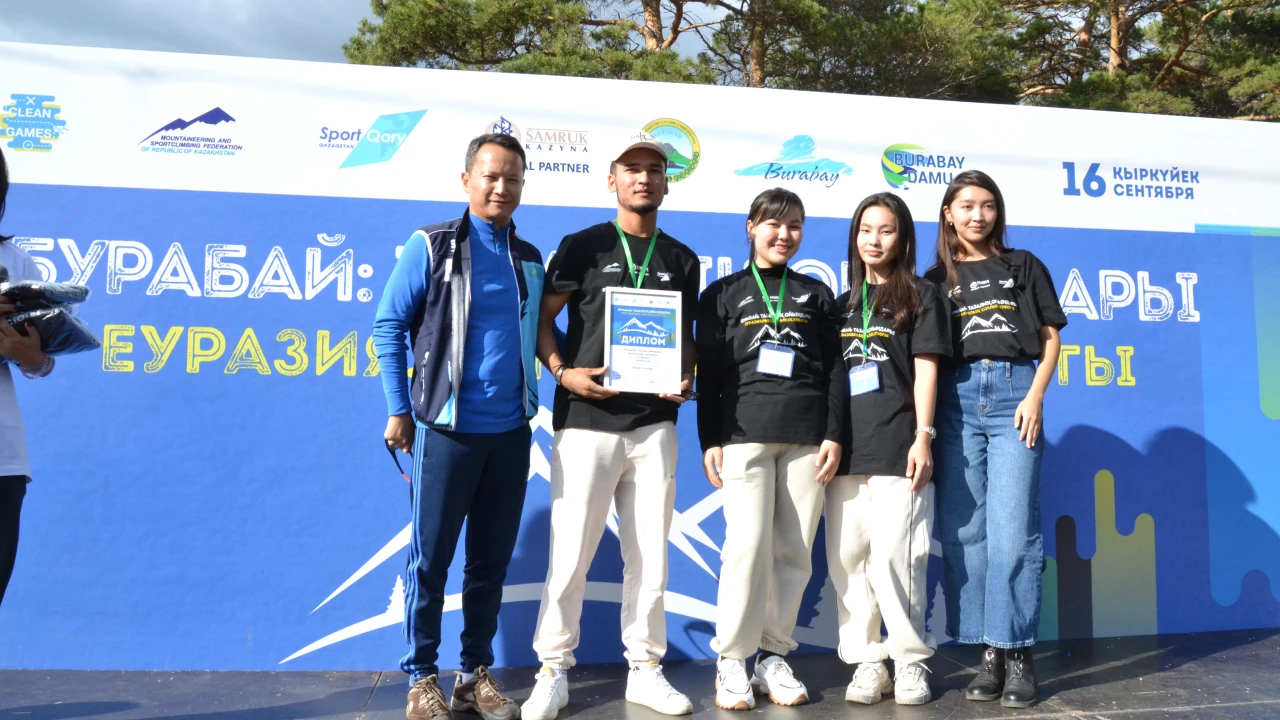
x: 479, y: 477
x: 988, y: 505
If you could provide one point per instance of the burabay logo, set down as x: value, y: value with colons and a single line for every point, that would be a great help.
x: 683, y: 149
x: 383, y: 138
x: 796, y: 161
x: 30, y: 123
x: 905, y: 165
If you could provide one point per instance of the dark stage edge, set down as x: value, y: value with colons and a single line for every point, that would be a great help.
x: 1212, y: 675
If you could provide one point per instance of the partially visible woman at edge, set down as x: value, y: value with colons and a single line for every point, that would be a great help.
x: 23, y: 352
x: 1005, y: 322
x: 770, y: 420
x: 880, y: 506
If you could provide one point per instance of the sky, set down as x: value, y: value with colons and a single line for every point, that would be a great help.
x: 289, y: 29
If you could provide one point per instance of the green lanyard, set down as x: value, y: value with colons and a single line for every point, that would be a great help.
x: 775, y: 313
x: 867, y: 312
x: 638, y: 280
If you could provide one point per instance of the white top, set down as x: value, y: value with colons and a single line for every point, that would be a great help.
x: 13, y: 441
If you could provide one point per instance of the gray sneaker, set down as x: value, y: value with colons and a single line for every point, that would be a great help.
x: 426, y: 701
x: 483, y: 695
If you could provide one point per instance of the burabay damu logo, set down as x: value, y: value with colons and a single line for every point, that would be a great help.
x: 905, y: 165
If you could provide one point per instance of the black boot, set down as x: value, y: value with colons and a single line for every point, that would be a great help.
x: 990, y: 680
x: 1020, y: 683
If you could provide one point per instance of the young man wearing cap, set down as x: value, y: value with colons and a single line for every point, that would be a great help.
x: 466, y: 293
x: 610, y: 446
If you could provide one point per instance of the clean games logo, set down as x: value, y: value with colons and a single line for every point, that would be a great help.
x: 383, y: 139
x: 905, y: 165
x: 31, y: 122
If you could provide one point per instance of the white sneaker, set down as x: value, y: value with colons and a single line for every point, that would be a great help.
x: 549, y: 696
x: 733, y: 689
x: 870, y: 682
x: 773, y: 677
x: 646, y: 685
x: 911, y: 686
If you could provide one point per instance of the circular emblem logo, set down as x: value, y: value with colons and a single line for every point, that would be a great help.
x: 683, y: 150
x: 896, y: 163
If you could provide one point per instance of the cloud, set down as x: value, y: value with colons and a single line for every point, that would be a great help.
x: 291, y: 29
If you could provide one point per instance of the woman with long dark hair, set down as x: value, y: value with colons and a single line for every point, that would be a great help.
x: 25, y: 352
x: 771, y: 410
x: 880, y: 507
x: 1005, y: 322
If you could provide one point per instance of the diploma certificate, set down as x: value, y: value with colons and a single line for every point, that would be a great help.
x: 643, y: 344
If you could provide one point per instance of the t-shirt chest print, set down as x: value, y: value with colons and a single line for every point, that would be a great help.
x: 985, y: 306
x: 753, y: 315
x: 859, y: 349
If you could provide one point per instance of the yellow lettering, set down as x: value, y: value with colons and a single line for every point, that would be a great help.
x: 248, y: 356
x: 197, y: 353
x: 297, y: 350
x: 346, y: 351
x: 160, y: 348
x: 113, y: 347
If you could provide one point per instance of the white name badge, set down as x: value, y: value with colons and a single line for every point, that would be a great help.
x: 864, y: 378
x: 775, y: 359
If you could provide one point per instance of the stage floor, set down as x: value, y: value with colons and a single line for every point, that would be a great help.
x: 1214, y: 675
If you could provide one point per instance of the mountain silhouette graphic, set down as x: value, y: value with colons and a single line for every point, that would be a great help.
x: 675, y: 160
x: 786, y: 336
x: 997, y: 323
x: 857, y: 350
x: 646, y: 328
x: 215, y: 116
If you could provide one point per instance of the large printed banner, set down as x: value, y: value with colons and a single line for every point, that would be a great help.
x: 211, y: 491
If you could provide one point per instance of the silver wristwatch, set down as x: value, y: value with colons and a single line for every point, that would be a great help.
x: 932, y: 433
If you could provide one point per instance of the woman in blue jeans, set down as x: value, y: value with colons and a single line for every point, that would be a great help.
x: 1005, y: 319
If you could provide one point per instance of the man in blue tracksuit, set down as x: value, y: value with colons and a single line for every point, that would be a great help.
x: 465, y: 293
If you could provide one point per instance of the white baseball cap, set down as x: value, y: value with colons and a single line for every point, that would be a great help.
x: 643, y: 140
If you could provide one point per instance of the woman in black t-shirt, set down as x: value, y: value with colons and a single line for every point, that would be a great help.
x: 1005, y: 317
x: 880, y: 507
x: 771, y: 409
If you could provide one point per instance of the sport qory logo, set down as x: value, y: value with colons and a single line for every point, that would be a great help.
x: 905, y: 165
x: 183, y: 137
x: 381, y: 141
x: 31, y: 122
x: 796, y: 161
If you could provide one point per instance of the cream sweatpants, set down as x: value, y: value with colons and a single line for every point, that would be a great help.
x: 772, y: 504
x: 634, y: 470
x: 878, y: 556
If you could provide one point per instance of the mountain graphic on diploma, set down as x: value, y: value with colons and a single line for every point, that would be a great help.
x: 216, y: 116
x: 875, y: 352
x: 996, y: 323
x: 786, y: 337
x: 644, y: 328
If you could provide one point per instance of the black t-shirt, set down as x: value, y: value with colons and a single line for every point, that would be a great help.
x: 738, y: 404
x: 883, y: 422
x: 999, y: 306
x: 586, y: 263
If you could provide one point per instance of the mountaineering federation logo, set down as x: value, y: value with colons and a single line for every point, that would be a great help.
x: 683, y: 150
x: 31, y: 122
x: 905, y: 165
x: 796, y: 161
x: 383, y: 138
x: 183, y: 137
